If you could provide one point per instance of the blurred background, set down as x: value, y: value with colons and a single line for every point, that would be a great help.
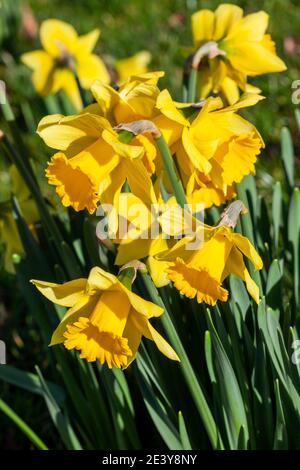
x: 161, y: 27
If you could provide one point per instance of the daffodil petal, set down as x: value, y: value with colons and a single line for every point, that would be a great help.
x: 55, y: 35
x: 42, y: 65
x: 67, y: 294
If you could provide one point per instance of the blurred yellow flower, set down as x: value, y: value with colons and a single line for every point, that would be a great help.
x: 244, y: 50
x: 63, y: 52
x: 199, y: 273
x: 93, y: 163
x: 134, y: 65
x: 97, y: 326
x: 9, y: 235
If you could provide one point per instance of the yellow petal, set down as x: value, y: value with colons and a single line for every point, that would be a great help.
x: 67, y: 294
x: 254, y: 59
x: 83, y: 308
x: 72, y: 133
x: 230, y: 90
x: 100, y: 280
x: 142, y: 306
x: 246, y: 100
x: 63, y: 79
x: 250, y: 28
x: 55, y: 35
x: 171, y: 130
x: 124, y: 150
x: 149, y: 332
x: 226, y: 16
x: 139, y: 181
x: 90, y: 68
x: 134, y: 65
x: 110, y: 187
x: 42, y: 65
x: 87, y: 42
x: 246, y: 247
x: 202, y: 26
x: 158, y: 271
x: 106, y: 97
x: 235, y: 265
x: 197, y: 159
x: 134, y: 337
x: 168, y: 107
x: 139, y: 249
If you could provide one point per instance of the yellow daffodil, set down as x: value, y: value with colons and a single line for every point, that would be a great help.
x: 92, y: 163
x: 238, y: 47
x: 63, y: 52
x: 134, y: 65
x: 105, y: 320
x: 215, y: 147
x: 9, y: 235
x: 199, y: 273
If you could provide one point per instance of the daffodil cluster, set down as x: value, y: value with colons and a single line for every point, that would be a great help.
x: 143, y: 154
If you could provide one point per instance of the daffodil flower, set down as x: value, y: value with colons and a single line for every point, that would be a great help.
x: 92, y: 163
x: 246, y: 50
x: 199, y: 273
x: 63, y: 52
x: 215, y: 147
x: 105, y: 321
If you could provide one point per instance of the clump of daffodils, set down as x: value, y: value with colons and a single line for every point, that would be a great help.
x: 154, y: 161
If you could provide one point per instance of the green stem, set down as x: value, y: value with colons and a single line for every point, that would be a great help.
x: 186, y: 367
x: 171, y: 171
x: 192, y: 88
x: 23, y: 426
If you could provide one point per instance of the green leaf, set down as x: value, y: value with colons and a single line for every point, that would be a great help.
x: 294, y: 238
x: 230, y: 396
x: 60, y: 420
x: 280, y: 434
x: 157, y: 411
x: 30, y: 382
x: 32, y: 436
x: 287, y: 155
x: 186, y: 445
x: 277, y: 212
x: 273, y: 289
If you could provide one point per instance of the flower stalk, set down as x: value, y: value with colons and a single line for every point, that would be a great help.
x: 171, y: 171
x: 186, y: 367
